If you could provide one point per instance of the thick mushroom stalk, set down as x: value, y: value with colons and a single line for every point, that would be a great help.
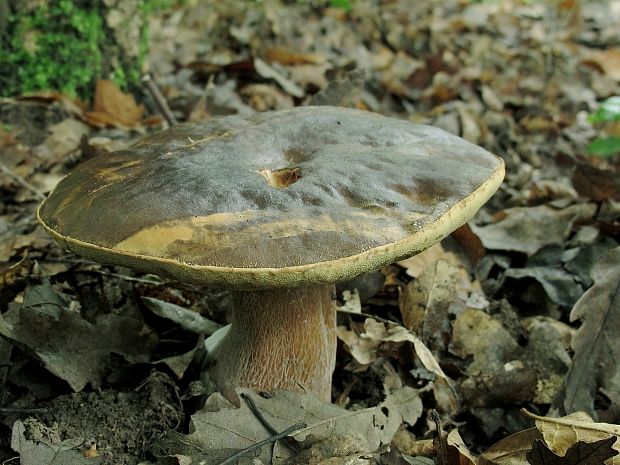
x: 280, y: 339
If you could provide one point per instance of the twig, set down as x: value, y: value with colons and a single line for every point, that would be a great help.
x: 441, y: 443
x: 159, y: 98
x: 264, y: 442
x: 21, y: 181
x: 368, y: 315
x: 290, y: 445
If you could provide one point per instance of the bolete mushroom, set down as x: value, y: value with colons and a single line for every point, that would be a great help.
x: 277, y: 207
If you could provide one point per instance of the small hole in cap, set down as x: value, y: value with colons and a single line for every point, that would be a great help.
x: 282, y: 177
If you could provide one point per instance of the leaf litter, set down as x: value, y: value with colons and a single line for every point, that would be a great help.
x: 516, y: 309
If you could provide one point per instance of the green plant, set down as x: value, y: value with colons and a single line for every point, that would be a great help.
x: 342, y: 4
x: 54, y: 46
x: 607, y: 116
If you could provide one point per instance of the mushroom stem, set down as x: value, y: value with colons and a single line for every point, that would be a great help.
x: 280, y: 339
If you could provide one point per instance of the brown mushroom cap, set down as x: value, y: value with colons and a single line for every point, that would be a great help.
x: 311, y: 195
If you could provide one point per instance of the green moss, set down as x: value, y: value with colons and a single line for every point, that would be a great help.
x: 65, y: 45
x: 55, y: 46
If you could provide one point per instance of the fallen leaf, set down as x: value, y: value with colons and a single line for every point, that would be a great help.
x: 113, y: 107
x: 397, y: 333
x: 288, y: 57
x: 219, y: 429
x: 580, y: 453
x: 180, y: 363
x: 351, y: 302
x: 363, y: 346
x: 63, y: 138
x: 50, y: 328
x: 560, y: 286
x: 477, y: 334
x: 47, y: 453
x: 264, y: 97
x: 425, y: 302
x: 185, y: 318
x: 335, y: 450
x: 547, y: 355
x: 560, y: 434
x: 419, y: 262
x: 510, y: 450
x: 10, y: 274
x: 597, y: 184
x: 458, y: 452
x: 606, y: 60
x: 596, y: 352
x: 528, y: 229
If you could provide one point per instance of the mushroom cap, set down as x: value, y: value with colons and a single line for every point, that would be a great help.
x: 310, y: 195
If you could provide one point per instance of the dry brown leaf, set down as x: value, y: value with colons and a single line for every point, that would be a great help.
x: 597, y: 184
x: 425, y: 302
x: 561, y: 433
x: 63, y: 139
x: 399, y: 333
x: 580, y: 453
x: 406, y: 442
x: 416, y: 264
x: 288, y: 57
x: 113, y: 107
x: 606, y: 60
x: 458, y: 452
x: 221, y: 428
x: 510, y: 450
x: 10, y: 274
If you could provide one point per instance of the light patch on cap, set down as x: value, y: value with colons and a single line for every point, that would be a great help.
x: 156, y: 240
x: 188, y: 237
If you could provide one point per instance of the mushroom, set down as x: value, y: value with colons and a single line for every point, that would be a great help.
x: 277, y: 207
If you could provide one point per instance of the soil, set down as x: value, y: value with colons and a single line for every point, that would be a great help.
x: 117, y: 426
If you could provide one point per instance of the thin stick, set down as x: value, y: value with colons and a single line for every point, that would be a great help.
x: 264, y: 442
x: 290, y: 445
x: 159, y: 98
x: 368, y: 315
x: 21, y: 181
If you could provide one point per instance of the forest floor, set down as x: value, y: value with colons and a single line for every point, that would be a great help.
x: 516, y: 312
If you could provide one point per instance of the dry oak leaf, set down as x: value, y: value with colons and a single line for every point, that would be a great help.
x: 596, y: 351
x: 560, y: 434
x: 219, y: 429
x: 113, y: 107
x: 580, y: 453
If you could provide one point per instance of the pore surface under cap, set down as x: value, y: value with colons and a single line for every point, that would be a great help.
x: 195, y: 201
